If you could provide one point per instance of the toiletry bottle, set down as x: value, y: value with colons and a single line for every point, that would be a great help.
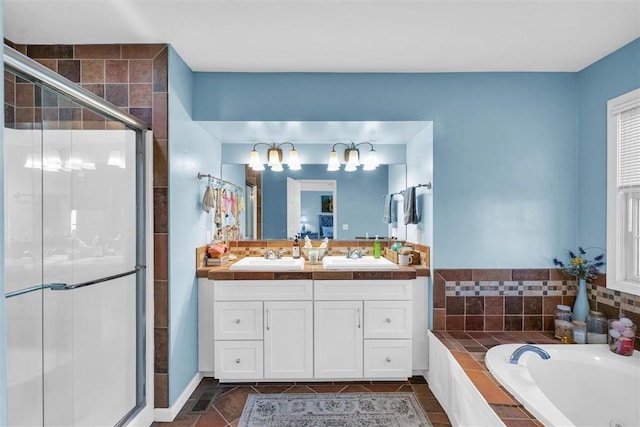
x: 376, y: 248
x: 296, y: 248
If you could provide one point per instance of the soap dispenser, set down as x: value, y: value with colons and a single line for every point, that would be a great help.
x: 376, y: 248
x: 296, y: 248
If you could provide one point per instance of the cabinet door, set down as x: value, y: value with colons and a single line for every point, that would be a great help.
x: 288, y: 339
x: 338, y: 339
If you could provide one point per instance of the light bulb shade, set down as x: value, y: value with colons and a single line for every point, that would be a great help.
x: 294, y: 160
x: 277, y: 167
x: 334, y: 161
x: 255, y: 162
x: 274, y: 157
x: 350, y: 167
x: 371, y: 162
x: 352, y: 160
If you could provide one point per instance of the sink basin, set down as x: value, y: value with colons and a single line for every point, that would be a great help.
x: 364, y: 263
x: 262, y: 264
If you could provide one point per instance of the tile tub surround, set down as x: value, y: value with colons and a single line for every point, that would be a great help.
x: 469, y: 349
x: 517, y: 300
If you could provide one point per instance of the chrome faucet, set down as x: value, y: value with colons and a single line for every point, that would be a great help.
x: 515, y: 356
x: 271, y: 254
x: 355, y: 253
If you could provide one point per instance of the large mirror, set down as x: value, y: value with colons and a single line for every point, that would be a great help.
x: 335, y: 204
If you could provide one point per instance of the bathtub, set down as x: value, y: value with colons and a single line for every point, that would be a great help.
x: 580, y: 385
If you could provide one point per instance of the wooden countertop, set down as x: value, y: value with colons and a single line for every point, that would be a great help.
x: 312, y: 272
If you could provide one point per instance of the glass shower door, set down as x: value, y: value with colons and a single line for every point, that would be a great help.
x: 71, y: 237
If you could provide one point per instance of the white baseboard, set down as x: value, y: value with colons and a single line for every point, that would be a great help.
x: 166, y: 415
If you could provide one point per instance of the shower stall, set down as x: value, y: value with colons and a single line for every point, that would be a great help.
x: 74, y: 253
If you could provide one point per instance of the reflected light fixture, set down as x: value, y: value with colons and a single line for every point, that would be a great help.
x: 352, y: 157
x: 116, y: 159
x: 274, y: 157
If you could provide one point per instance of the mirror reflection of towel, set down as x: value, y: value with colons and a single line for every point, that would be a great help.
x: 410, y: 211
x: 388, y: 208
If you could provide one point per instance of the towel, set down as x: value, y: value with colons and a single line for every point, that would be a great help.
x: 217, y: 250
x: 208, y: 201
x: 388, y: 207
x: 410, y: 212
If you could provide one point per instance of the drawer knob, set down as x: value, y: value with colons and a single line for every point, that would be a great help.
x: 388, y: 359
x: 388, y: 320
x: 238, y: 360
x: 237, y: 321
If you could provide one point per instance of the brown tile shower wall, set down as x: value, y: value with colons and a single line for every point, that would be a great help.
x: 135, y: 79
x: 516, y: 300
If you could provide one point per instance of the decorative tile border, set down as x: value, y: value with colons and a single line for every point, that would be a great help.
x: 510, y: 288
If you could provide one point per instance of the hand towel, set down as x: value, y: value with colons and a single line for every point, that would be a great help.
x: 410, y: 212
x: 388, y: 207
x: 208, y: 200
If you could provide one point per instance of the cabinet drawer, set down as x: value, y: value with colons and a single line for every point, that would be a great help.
x: 387, y: 319
x: 263, y: 290
x: 239, y: 360
x: 344, y: 290
x: 387, y: 358
x: 238, y: 320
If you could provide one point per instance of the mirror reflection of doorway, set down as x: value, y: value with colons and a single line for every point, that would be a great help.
x: 310, y: 196
x: 250, y: 211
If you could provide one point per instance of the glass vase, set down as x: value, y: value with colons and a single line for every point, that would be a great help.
x: 581, y: 306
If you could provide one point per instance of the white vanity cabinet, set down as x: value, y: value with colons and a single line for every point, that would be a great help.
x: 363, y: 329
x: 263, y: 329
x: 305, y: 329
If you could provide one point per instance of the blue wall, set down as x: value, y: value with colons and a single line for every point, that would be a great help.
x: 3, y: 317
x: 504, y: 148
x: 191, y: 150
x: 611, y: 76
x: 360, y: 196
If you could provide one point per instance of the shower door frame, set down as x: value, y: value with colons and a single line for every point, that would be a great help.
x: 21, y: 65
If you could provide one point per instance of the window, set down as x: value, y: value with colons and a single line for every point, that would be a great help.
x: 623, y: 193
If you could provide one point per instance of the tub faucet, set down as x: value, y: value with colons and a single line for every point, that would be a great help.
x: 515, y: 356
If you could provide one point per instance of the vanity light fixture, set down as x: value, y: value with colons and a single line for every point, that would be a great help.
x: 274, y: 157
x: 352, y: 157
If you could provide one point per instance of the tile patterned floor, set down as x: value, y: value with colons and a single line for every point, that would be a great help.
x: 215, y: 404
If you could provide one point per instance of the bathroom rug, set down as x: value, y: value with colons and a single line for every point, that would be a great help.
x: 333, y: 410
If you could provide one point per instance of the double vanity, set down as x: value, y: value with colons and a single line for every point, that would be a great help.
x: 287, y: 320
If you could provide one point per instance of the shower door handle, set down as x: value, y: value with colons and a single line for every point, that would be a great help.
x: 56, y: 286
x: 65, y: 287
x: 100, y: 280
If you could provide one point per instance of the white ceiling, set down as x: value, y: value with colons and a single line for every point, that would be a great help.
x: 343, y: 35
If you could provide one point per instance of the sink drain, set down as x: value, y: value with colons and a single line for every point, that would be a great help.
x: 615, y: 422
